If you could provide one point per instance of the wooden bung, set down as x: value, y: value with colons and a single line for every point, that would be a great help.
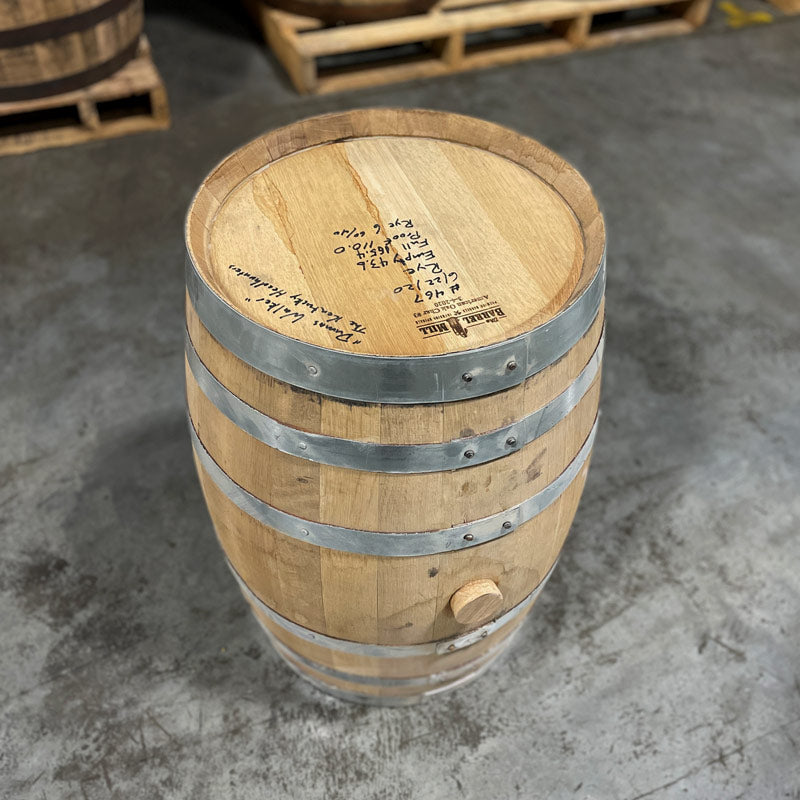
x: 476, y: 602
x: 394, y: 342
x: 63, y: 45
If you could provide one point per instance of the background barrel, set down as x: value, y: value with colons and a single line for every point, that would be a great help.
x: 393, y: 352
x: 63, y: 45
x: 351, y: 10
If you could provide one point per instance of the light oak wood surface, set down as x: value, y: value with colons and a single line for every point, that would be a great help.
x: 496, y: 234
x: 576, y: 234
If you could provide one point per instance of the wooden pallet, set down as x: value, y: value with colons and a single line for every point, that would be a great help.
x: 131, y: 100
x: 460, y: 35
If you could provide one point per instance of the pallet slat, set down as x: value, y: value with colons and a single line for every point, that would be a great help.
x: 300, y: 42
x: 132, y: 100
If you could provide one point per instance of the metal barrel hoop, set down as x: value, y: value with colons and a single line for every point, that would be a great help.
x: 393, y: 379
x: 382, y: 543
x: 387, y: 701
x: 441, y: 647
x: 434, y: 679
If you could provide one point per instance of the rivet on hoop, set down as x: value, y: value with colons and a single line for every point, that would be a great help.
x: 312, y: 370
x: 507, y: 525
x: 451, y: 647
x: 304, y: 531
x: 302, y: 445
x: 511, y: 441
x: 469, y: 453
x: 468, y: 537
x: 466, y: 377
x: 512, y: 365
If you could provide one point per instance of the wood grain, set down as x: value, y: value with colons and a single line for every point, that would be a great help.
x: 476, y: 602
x: 483, y: 230
x: 396, y: 424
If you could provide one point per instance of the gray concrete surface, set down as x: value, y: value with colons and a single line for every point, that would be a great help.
x: 663, y: 660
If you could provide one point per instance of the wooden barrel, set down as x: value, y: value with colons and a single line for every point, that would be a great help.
x: 63, y: 45
x: 351, y: 10
x: 394, y: 341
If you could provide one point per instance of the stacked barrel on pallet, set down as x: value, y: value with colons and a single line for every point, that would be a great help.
x: 60, y: 59
x: 393, y: 351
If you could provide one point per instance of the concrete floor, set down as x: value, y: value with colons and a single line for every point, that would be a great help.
x: 662, y: 661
